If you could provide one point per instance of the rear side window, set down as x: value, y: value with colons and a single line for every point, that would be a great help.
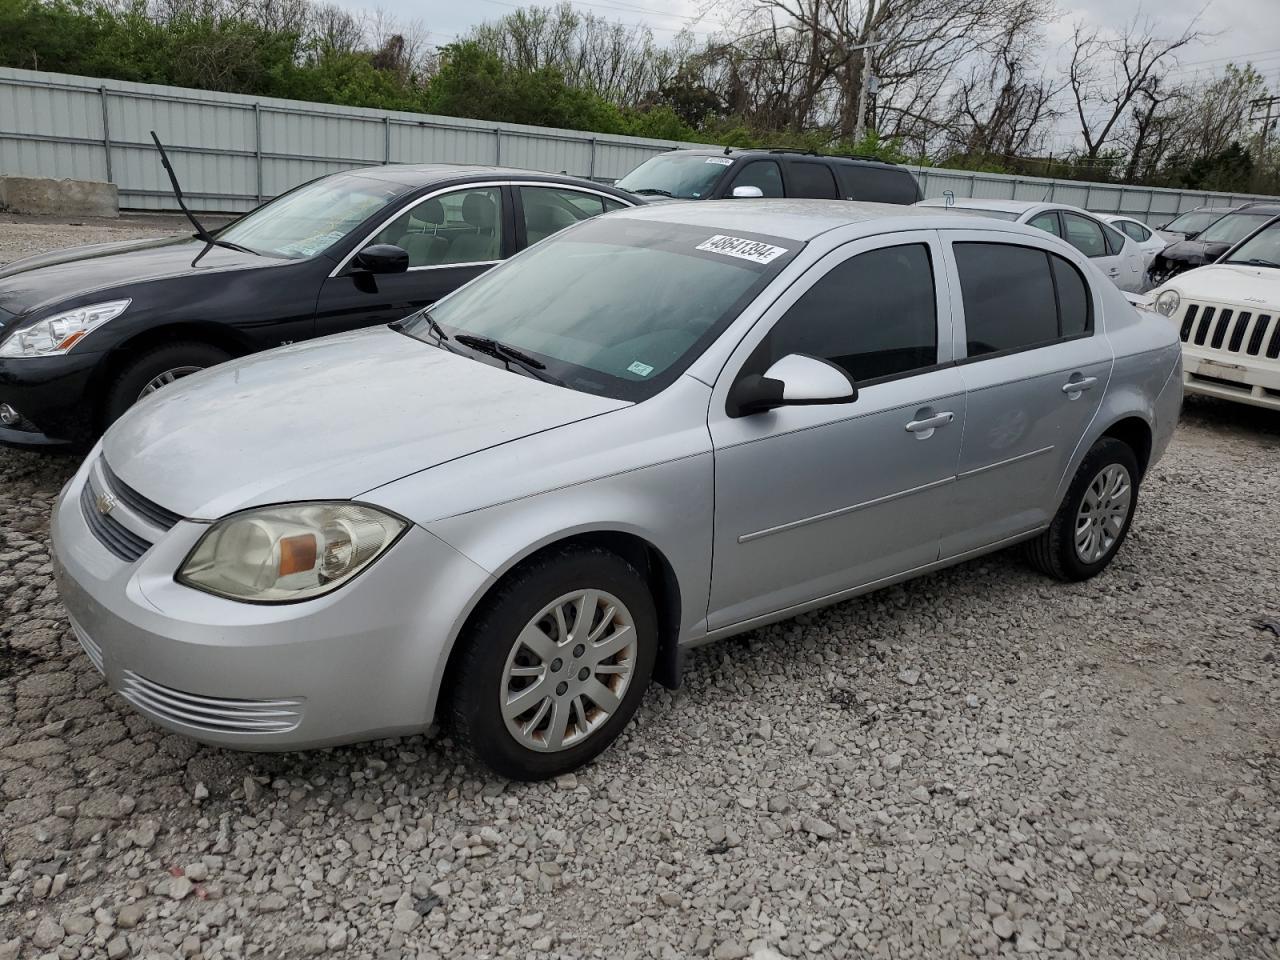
x: 764, y: 174
x: 1135, y: 230
x: 874, y: 315
x: 1019, y: 297
x: 1115, y: 239
x: 877, y: 184
x: 1048, y: 222
x: 1085, y: 235
x: 812, y: 180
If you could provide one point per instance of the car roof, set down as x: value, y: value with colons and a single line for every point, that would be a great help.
x: 1270, y: 209
x: 803, y: 220
x: 413, y: 175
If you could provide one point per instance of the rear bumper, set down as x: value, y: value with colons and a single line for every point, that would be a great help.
x: 53, y: 397
x: 356, y: 664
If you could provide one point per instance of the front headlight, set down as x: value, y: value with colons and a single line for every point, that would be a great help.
x: 291, y: 552
x: 59, y: 333
x: 1167, y: 303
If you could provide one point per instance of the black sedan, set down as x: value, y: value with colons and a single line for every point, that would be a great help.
x: 87, y: 332
x: 1211, y: 243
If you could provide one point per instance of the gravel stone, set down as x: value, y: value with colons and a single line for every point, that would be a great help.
x: 1084, y: 770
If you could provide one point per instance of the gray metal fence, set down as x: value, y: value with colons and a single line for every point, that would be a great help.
x: 233, y: 151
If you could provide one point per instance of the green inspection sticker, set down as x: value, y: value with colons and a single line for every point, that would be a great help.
x: 640, y: 369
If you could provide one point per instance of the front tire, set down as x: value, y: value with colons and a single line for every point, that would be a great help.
x: 1095, y: 515
x: 156, y: 368
x: 554, y: 664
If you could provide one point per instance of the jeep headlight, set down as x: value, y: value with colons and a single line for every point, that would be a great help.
x: 59, y: 333
x: 1167, y: 302
x: 289, y: 552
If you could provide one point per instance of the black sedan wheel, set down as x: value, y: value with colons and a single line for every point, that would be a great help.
x: 155, y: 369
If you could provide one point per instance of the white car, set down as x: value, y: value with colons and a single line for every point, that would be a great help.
x: 1115, y: 254
x: 1228, y: 318
x: 1149, y: 241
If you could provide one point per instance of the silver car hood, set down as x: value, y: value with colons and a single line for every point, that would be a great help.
x: 326, y: 419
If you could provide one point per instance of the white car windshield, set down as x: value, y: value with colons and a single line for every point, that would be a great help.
x: 1260, y: 250
x: 312, y: 218
x: 683, y: 176
x: 615, y: 307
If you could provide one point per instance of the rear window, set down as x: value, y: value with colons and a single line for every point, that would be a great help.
x: 877, y: 184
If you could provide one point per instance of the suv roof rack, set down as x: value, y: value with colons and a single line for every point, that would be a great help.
x: 799, y: 150
x: 864, y: 156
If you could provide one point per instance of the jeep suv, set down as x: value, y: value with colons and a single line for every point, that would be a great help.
x: 719, y: 174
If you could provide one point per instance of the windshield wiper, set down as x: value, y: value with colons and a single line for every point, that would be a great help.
x: 1256, y: 262
x: 653, y: 192
x: 201, y: 233
x: 509, y: 355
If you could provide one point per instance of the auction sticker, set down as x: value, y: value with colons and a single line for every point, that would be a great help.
x: 743, y: 249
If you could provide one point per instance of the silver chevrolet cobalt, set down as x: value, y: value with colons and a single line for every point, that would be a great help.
x: 657, y: 428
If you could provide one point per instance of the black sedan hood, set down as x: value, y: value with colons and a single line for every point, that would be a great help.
x: 74, y: 274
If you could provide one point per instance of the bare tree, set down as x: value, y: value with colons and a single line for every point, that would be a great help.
x: 1109, y: 73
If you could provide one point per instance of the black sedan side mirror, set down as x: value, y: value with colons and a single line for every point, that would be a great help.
x: 794, y: 380
x: 382, y: 258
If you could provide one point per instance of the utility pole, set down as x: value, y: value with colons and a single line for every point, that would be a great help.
x: 1267, y: 106
x: 860, y: 128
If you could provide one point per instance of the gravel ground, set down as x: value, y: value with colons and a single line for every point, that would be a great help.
x: 978, y: 763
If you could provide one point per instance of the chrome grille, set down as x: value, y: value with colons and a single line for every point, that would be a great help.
x: 91, y: 649
x: 1231, y: 331
x: 111, y: 533
x: 152, y: 512
x: 211, y: 714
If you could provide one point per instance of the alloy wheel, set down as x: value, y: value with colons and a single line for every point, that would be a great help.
x: 1102, y: 514
x: 568, y: 670
x: 166, y: 378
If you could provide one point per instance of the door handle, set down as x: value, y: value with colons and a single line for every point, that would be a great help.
x: 1079, y: 386
x: 929, y: 424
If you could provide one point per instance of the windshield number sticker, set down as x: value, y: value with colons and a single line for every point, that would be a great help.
x: 720, y: 161
x: 640, y: 369
x: 752, y: 250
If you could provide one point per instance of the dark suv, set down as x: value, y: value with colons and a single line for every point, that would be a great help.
x: 1211, y: 242
x: 720, y: 174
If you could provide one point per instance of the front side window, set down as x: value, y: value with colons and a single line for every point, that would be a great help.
x: 617, y: 307
x: 1018, y: 297
x: 873, y: 315
x: 683, y: 176
x: 1233, y: 228
x: 459, y: 227
x: 1085, y: 235
x: 548, y: 210
x: 763, y: 174
x: 1260, y: 250
x: 812, y: 180
x: 315, y: 216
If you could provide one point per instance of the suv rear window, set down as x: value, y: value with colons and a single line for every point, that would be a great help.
x: 877, y: 184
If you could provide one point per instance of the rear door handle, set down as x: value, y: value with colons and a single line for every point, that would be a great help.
x: 925, y: 427
x: 1079, y: 386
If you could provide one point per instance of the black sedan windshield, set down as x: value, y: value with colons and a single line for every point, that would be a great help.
x: 312, y: 218
x: 1233, y: 228
x: 684, y: 176
x: 1261, y: 250
x: 615, y: 307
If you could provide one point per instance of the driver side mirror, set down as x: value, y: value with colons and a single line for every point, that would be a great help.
x: 795, y: 380
x: 747, y: 193
x: 382, y: 258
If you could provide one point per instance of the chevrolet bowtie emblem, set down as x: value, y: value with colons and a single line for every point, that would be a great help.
x: 106, y: 503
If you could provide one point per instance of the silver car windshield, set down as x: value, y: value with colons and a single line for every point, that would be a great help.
x: 312, y: 218
x: 1260, y: 250
x: 684, y: 176
x: 616, y: 307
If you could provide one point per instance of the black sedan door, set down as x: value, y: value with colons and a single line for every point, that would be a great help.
x: 450, y: 236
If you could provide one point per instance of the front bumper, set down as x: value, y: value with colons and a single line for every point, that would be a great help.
x: 1234, y: 376
x: 53, y: 395
x: 357, y: 664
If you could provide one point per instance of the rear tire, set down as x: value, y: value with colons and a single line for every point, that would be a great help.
x: 173, y: 360
x: 1094, y: 519
x: 529, y: 659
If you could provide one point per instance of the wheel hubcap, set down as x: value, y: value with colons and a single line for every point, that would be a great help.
x: 568, y: 671
x: 166, y: 378
x: 1103, y: 512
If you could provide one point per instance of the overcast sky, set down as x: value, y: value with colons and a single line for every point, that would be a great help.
x: 1244, y: 29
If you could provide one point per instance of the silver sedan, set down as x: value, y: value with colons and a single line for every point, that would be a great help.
x: 658, y: 428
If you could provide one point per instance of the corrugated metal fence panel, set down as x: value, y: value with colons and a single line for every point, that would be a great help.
x: 231, y: 151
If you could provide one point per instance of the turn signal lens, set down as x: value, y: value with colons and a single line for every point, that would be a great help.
x: 286, y: 553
